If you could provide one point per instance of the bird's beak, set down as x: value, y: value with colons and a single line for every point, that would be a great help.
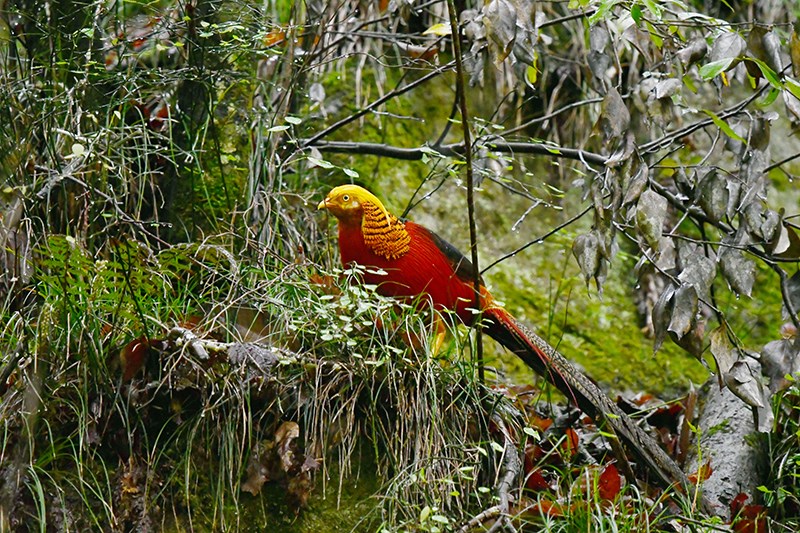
x: 323, y: 204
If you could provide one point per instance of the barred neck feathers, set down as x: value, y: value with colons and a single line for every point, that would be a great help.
x: 384, y: 234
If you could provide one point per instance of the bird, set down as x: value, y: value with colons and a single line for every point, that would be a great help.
x: 408, y: 261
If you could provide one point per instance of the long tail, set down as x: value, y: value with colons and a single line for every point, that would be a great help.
x: 547, y: 362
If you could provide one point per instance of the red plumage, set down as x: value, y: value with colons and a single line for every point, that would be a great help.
x: 406, y: 260
x: 424, y: 270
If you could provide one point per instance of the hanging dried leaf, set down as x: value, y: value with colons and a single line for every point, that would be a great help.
x: 699, y: 272
x: 614, y: 119
x: 779, y: 359
x: 769, y: 225
x: 743, y: 381
x: 755, y: 48
x: 636, y: 185
x: 526, y: 37
x: 684, y: 311
x: 662, y: 313
x: 713, y: 194
x: 772, y: 50
x: 500, y: 20
x: 586, y: 249
x: 739, y: 271
x: 793, y: 291
x: 667, y: 88
x: 794, y: 51
x: 693, y: 52
x: 651, y: 210
x: 724, y: 352
x: 788, y: 245
x: 727, y: 47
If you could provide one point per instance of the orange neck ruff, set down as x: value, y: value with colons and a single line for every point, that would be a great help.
x: 384, y: 236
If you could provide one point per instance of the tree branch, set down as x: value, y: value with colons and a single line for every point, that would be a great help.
x: 493, y: 144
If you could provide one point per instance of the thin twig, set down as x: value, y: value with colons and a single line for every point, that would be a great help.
x: 540, y: 239
x: 461, y: 95
x: 385, y: 98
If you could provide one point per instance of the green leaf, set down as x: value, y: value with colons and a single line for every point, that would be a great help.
x: 350, y: 172
x: 636, y: 13
x: 793, y: 87
x: 653, y: 8
x: 713, y: 69
x: 277, y: 128
x: 319, y: 162
x: 657, y: 40
x: 424, y: 514
x: 768, y: 73
x: 293, y: 120
x: 724, y: 126
x: 769, y: 98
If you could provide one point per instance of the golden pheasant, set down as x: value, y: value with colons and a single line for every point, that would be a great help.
x: 406, y: 260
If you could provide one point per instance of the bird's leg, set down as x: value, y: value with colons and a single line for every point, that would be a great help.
x: 441, y: 330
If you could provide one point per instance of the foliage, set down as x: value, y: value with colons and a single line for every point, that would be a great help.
x: 157, y: 161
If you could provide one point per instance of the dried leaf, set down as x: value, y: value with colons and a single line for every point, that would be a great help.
x: 586, y: 249
x: 651, y: 210
x: 750, y: 518
x: 285, y: 435
x: 500, y: 20
x: 693, y: 52
x: 636, y: 185
x: 614, y: 119
x: 702, y: 474
x: 684, y: 311
x: 769, y: 225
x: 788, y: 246
x: 793, y: 291
x: 133, y: 357
x: 755, y: 49
x: 712, y: 193
x: 739, y: 271
x: 610, y: 483
x: 724, y: 352
x: 699, y: 272
x: 728, y: 46
x: 662, y: 312
x: 794, y: 51
x: 527, y: 35
x: 667, y: 88
x: 744, y: 383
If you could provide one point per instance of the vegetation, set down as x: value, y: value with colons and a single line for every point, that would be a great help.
x: 182, y: 351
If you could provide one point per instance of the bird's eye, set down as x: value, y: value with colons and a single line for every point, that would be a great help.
x: 346, y: 197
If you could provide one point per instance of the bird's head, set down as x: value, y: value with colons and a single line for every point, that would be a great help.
x: 346, y: 202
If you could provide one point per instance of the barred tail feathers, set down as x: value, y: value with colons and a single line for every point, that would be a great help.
x: 547, y: 362
x: 500, y: 325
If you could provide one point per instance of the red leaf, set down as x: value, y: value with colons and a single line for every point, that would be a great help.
x: 702, y: 474
x: 569, y: 446
x: 549, y: 508
x: 750, y: 518
x: 609, y: 483
x: 535, y: 481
